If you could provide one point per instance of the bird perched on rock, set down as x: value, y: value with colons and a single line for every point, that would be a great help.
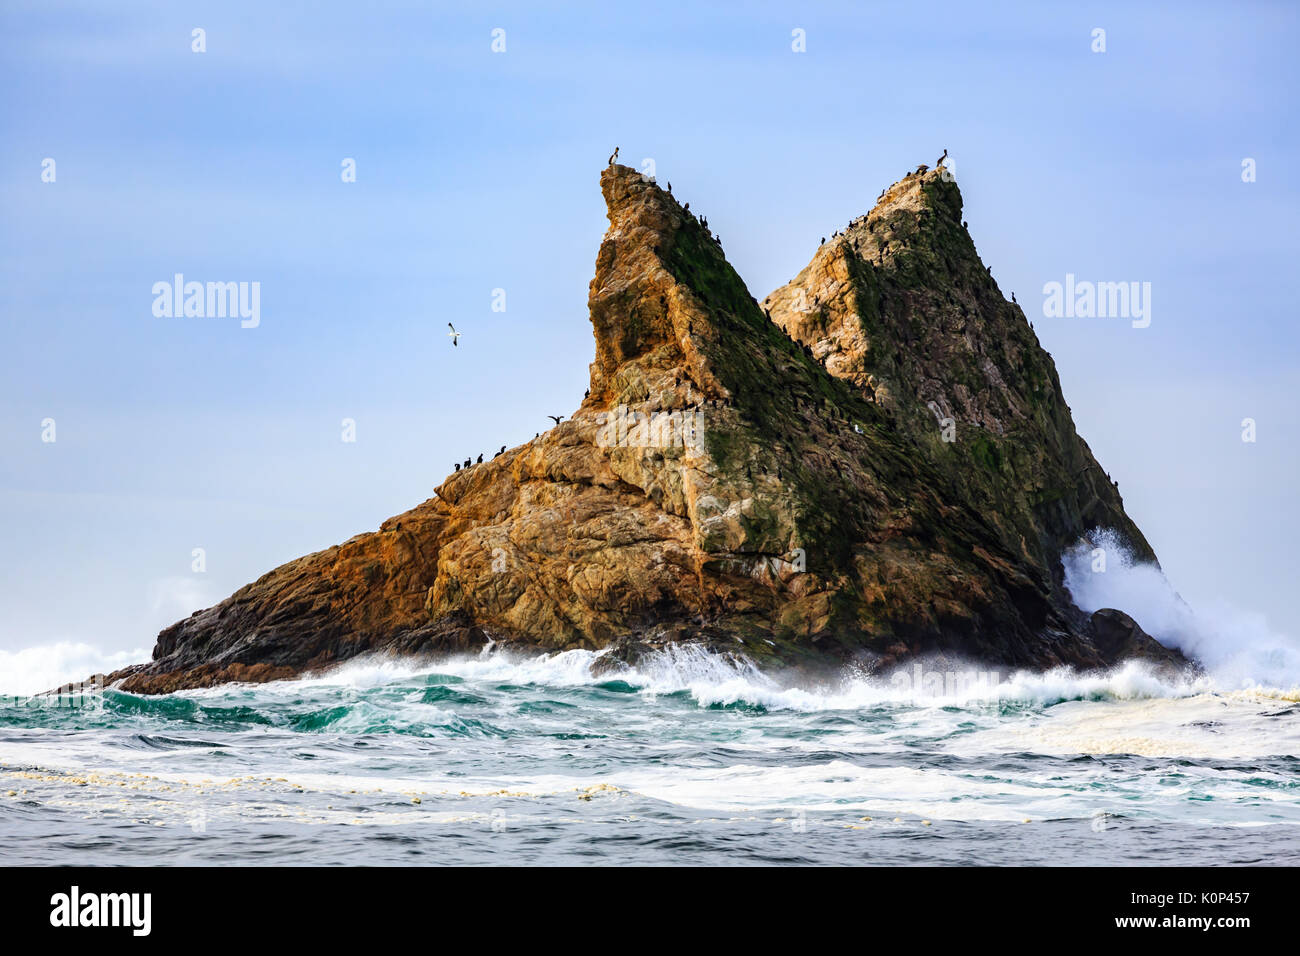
x: 556, y: 418
x: 480, y: 460
x: 458, y: 466
x: 501, y: 452
x: 939, y: 162
x: 453, y: 334
x: 613, y: 156
x: 922, y: 168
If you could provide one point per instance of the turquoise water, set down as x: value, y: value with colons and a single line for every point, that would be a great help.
x: 689, y: 759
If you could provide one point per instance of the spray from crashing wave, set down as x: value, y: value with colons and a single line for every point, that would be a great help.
x: 712, y: 680
x: 33, y: 670
x: 1238, y: 648
x: 686, y: 747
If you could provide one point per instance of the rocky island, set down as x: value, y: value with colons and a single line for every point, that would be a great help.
x: 873, y: 463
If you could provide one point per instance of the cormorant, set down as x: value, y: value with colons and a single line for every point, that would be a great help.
x: 556, y: 418
x: 939, y: 162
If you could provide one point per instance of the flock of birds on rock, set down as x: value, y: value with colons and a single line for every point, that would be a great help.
x: 454, y: 335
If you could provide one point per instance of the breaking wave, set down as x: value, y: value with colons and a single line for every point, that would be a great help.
x: 1238, y: 648
x: 714, y: 680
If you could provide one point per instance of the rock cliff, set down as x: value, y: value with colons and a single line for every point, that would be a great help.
x: 876, y: 462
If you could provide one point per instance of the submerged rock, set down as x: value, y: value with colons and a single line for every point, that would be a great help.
x: 1118, y: 637
x: 875, y: 463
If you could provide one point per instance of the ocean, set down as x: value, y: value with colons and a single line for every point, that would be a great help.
x: 692, y: 758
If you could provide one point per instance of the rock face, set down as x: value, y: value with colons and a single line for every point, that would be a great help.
x: 875, y: 463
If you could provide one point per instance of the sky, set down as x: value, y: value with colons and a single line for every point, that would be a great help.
x: 477, y: 170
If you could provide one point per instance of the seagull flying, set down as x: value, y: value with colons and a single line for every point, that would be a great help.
x: 453, y: 334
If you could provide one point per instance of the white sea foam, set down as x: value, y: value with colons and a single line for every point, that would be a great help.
x: 1238, y: 648
x: 711, y: 679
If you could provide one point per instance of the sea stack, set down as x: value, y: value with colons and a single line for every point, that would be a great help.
x: 888, y: 473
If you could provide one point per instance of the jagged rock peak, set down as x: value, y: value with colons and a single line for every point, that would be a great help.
x: 643, y: 308
x: 782, y: 485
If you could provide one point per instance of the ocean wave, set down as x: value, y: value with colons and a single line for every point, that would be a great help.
x: 714, y: 680
x: 1238, y: 648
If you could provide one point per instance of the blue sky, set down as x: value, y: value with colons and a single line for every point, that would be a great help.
x: 478, y: 170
